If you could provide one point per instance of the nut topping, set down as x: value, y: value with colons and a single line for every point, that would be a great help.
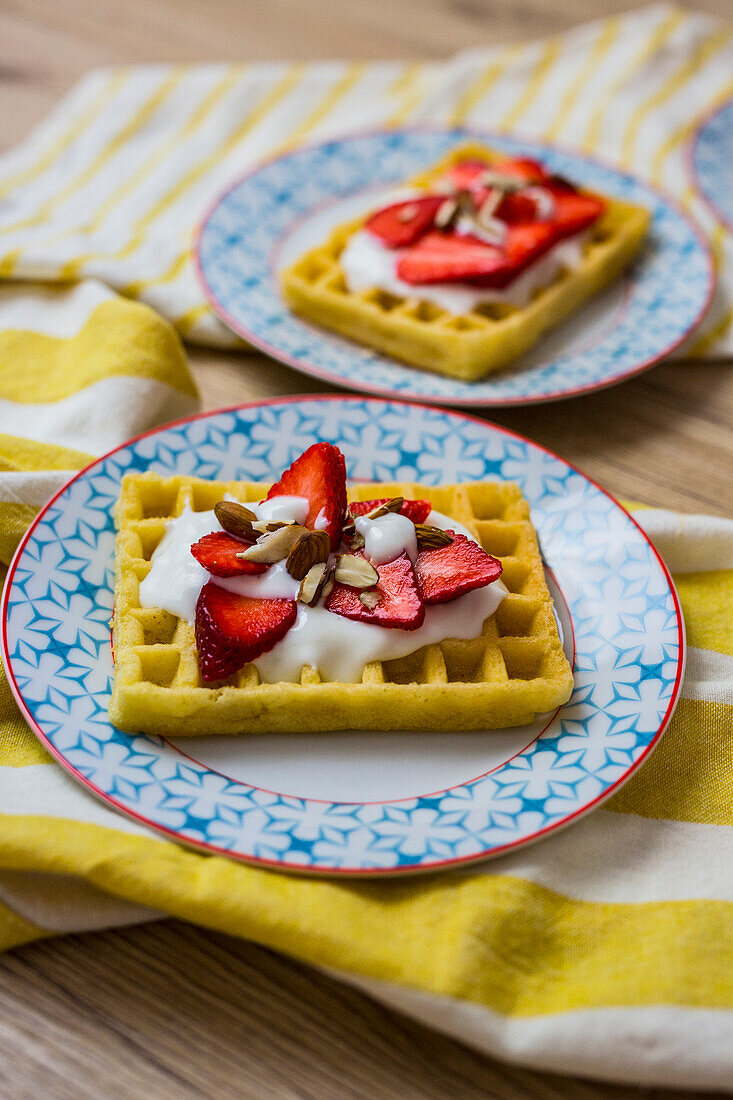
x: 430, y: 538
x: 309, y: 550
x: 407, y: 213
x: 236, y: 519
x: 356, y: 572
x: 314, y: 584
x: 275, y: 545
x: 369, y: 598
x: 392, y: 505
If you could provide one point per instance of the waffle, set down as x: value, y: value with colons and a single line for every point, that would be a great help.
x: 515, y: 670
x: 466, y: 346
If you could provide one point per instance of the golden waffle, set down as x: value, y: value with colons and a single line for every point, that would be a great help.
x: 468, y: 345
x: 515, y: 670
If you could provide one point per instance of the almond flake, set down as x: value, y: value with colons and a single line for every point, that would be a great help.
x: 393, y: 505
x: 369, y: 598
x: 430, y: 538
x: 275, y: 545
x: 356, y: 572
x: 314, y: 583
x: 445, y: 213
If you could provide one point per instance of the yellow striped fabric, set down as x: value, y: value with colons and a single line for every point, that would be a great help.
x: 112, y: 186
x: 607, y: 950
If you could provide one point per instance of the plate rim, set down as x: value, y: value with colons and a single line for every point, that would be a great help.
x: 469, y: 401
x: 335, y: 872
x: 691, y: 157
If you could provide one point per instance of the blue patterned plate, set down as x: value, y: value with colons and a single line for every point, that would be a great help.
x: 356, y: 803
x: 269, y: 218
x: 711, y: 156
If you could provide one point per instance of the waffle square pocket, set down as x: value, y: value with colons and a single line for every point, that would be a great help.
x: 480, y: 330
x: 513, y: 670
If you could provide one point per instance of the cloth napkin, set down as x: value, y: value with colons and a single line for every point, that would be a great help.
x: 606, y: 950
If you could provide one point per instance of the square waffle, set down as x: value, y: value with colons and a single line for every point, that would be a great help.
x: 515, y: 670
x: 466, y: 346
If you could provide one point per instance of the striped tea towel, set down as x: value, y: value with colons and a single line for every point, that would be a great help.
x: 112, y: 185
x: 605, y: 951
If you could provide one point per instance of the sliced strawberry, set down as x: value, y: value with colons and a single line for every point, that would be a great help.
x: 403, y: 222
x: 416, y: 510
x: 319, y: 475
x: 232, y: 630
x: 399, y: 605
x: 445, y: 258
x: 574, y: 210
x: 449, y: 571
x: 218, y: 551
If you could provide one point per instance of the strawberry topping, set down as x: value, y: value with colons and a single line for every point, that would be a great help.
x: 218, y: 551
x: 398, y: 604
x: 319, y: 475
x: 403, y: 222
x: 232, y: 630
x: 449, y: 571
x: 416, y: 510
x: 443, y: 258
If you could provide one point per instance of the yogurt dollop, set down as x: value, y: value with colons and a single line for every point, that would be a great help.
x: 338, y: 647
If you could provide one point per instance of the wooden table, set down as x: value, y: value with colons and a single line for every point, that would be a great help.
x: 165, y: 1009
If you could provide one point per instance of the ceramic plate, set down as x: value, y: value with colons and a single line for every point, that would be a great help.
x: 354, y: 803
x: 269, y: 218
x: 711, y: 155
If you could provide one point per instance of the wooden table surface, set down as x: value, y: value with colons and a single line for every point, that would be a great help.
x: 165, y: 1009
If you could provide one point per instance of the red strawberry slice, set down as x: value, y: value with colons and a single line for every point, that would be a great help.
x: 450, y: 258
x: 218, y: 551
x: 319, y: 475
x: 574, y: 210
x: 449, y: 571
x: 399, y: 605
x: 403, y: 222
x: 232, y: 630
x: 416, y: 510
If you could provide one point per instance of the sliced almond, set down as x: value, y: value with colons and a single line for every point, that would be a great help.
x: 356, y: 542
x: 356, y: 572
x: 392, y: 505
x: 502, y: 181
x: 236, y: 519
x: 275, y: 545
x: 430, y: 538
x: 313, y: 584
x: 311, y: 548
x: 263, y: 526
x: 369, y: 597
x: 445, y: 213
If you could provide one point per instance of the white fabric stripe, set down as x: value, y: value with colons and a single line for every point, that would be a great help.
x: 64, y: 903
x: 708, y: 676
x: 689, y: 543
x: 43, y: 137
x: 610, y: 857
x: 54, y: 311
x: 47, y: 790
x: 99, y: 416
x: 31, y: 487
x: 656, y: 1045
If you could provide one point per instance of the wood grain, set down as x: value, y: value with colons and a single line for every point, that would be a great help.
x: 166, y: 1010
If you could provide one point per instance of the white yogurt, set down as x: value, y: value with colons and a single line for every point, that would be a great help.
x: 387, y: 537
x: 367, y: 263
x: 338, y: 647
